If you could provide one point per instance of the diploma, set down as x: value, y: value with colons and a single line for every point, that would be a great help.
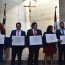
x: 62, y: 37
x: 35, y: 40
x: 2, y: 39
x: 50, y: 38
x: 18, y: 40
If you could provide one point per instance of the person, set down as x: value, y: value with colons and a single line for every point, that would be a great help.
x: 2, y: 32
x: 48, y: 48
x: 17, y: 49
x: 61, y: 47
x: 33, y: 49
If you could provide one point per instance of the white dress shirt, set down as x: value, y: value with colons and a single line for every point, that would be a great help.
x: 62, y: 31
x: 34, y: 31
x: 18, y: 32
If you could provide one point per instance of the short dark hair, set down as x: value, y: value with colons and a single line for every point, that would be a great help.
x: 61, y: 23
x: 32, y: 25
x: 18, y: 23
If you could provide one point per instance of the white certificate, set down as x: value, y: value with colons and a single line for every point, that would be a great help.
x: 2, y: 39
x: 35, y: 40
x: 62, y: 37
x: 18, y: 40
x: 51, y: 38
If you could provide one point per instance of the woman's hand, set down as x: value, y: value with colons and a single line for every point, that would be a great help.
x: 59, y: 40
x: 50, y: 43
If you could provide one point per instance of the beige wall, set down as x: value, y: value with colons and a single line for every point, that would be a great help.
x: 62, y: 10
x: 14, y: 16
x: 43, y: 13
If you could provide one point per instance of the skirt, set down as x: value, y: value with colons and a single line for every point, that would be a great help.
x: 49, y: 50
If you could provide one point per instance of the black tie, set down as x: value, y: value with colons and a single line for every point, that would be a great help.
x: 62, y: 31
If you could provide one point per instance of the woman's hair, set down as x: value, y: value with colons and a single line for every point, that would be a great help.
x: 1, y: 27
x: 49, y: 28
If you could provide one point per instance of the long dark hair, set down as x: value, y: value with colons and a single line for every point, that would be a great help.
x: 1, y: 27
x: 49, y: 29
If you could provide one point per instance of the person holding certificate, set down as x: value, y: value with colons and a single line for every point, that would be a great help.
x: 33, y: 49
x: 17, y: 50
x: 61, y: 47
x: 2, y: 32
x: 48, y: 48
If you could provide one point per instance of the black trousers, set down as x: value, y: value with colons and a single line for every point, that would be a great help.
x: 16, y: 51
x: 61, y: 51
x: 33, y: 55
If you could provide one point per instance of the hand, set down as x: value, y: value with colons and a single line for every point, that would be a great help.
x: 59, y: 40
x: 50, y: 43
x: 4, y: 50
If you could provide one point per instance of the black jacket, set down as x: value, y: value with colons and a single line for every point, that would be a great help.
x: 45, y: 44
x: 30, y: 33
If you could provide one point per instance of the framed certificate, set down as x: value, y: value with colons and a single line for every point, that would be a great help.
x: 50, y: 38
x: 18, y: 40
x: 62, y: 37
x: 2, y: 37
x: 35, y: 40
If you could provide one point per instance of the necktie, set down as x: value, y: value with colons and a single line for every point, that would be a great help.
x: 18, y: 33
x: 35, y: 32
x: 62, y: 31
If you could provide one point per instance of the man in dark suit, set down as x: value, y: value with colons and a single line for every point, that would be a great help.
x: 33, y: 49
x: 17, y: 49
x: 61, y: 47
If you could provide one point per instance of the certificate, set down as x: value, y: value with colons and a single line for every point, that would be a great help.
x: 35, y: 40
x: 62, y: 37
x: 50, y: 38
x: 18, y: 40
x: 2, y: 39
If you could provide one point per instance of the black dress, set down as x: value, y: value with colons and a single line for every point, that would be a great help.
x: 48, y: 49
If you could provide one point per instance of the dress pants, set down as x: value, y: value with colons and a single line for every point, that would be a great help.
x: 16, y: 51
x: 61, y: 51
x: 33, y: 55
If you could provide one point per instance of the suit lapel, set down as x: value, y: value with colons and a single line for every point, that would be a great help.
x: 37, y: 32
x: 60, y: 31
x: 15, y: 32
x: 31, y: 32
x: 21, y: 32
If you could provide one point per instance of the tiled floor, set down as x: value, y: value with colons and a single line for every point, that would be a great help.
x: 26, y: 52
x: 25, y: 57
x: 40, y: 63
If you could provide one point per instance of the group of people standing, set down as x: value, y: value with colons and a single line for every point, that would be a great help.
x: 48, y: 49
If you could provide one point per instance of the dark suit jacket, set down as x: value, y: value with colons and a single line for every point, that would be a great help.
x: 58, y: 33
x: 13, y: 33
x: 30, y: 33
